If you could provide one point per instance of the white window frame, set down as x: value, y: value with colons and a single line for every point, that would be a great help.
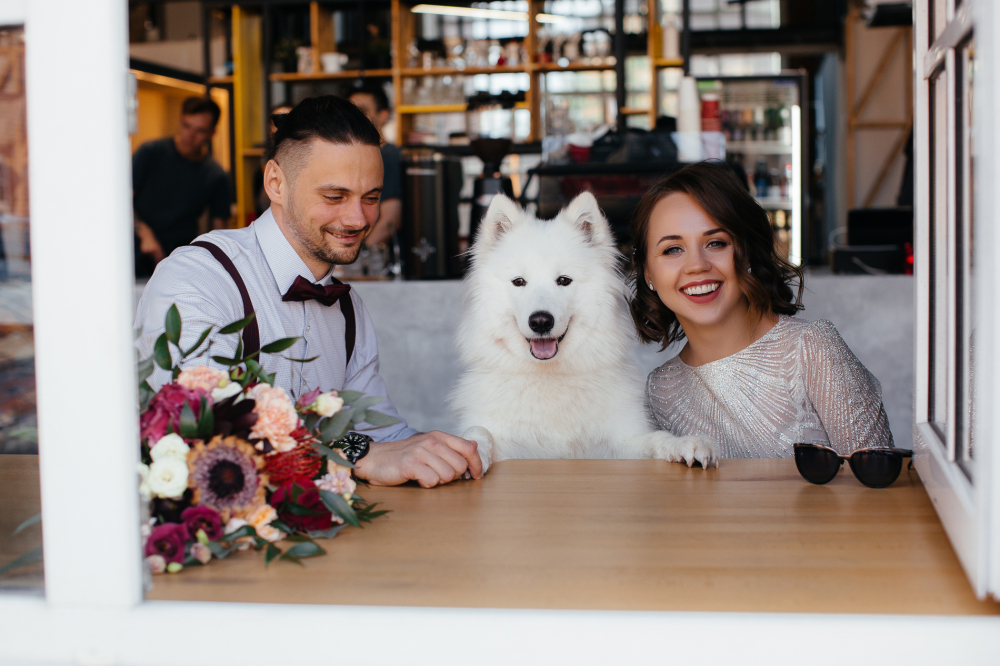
x: 93, y: 611
x: 966, y: 500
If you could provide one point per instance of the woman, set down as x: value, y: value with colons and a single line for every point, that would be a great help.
x: 751, y: 377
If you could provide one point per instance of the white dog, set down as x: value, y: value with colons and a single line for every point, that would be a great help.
x: 545, y: 339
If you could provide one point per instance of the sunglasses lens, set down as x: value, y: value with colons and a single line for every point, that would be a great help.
x: 876, y: 469
x: 816, y: 465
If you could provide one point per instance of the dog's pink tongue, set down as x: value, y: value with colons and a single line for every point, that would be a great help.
x: 543, y: 348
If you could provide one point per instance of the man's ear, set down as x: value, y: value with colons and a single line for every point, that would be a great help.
x: 584, y: 214
x: 502, y: 216
x: 275, y: 182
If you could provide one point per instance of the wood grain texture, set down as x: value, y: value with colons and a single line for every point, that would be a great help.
x: 624, y: 534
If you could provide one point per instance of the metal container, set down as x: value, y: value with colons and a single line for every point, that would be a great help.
x: 429, y: 234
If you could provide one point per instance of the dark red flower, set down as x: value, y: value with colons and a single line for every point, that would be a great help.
x: 165, y: 411
x: 307, y: 498
x: 202, y: 518
x: 168, y: 540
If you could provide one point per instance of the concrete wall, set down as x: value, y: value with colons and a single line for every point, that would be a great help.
x: 416, y: 323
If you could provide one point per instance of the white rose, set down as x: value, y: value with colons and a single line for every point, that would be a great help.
x: 328, y: 404
x: 227, y: 391
x: 144, y: 491
x: 170, y: 446
x: 168, y: 477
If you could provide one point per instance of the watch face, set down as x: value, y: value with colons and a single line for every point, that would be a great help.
x: 355, y: 446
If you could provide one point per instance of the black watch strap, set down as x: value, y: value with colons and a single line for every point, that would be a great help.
x: 354, y: 446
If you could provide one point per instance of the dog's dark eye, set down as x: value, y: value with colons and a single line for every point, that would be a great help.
x: 563, y: 281
x: 518, y: 282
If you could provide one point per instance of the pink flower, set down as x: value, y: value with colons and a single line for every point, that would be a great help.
x: 202, y: 377
x: 337, y: 481
x: 167, y: 541
x: 201, y: 552
x: 202, y: 518
x: 156, y: 564
x: 276, y: 417
x: 165, y: 411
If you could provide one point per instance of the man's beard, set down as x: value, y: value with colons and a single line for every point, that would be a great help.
x: 313, y: 242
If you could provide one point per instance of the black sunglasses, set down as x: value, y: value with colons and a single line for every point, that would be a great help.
x: 875, y: 467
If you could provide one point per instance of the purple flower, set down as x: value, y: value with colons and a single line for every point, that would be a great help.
x: 202, y: 518
x: 224, y: 474
x: 168, y: 542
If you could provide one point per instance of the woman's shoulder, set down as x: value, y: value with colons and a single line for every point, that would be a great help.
x: 819, y: 330
x: 668, y: 374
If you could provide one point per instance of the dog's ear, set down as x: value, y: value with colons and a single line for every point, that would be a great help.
x: 502, y: 215
x: 584, y: 214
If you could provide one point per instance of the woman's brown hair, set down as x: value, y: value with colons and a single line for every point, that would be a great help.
x: 767, y: 284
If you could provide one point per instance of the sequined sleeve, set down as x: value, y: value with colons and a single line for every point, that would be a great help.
x: 846, y: 396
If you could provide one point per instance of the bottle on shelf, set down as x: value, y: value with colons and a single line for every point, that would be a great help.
x: 761, y: 179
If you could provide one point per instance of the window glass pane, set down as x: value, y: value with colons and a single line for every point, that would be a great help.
x: 18, y: 444
x: 939, y: 251
x: 966, y: 64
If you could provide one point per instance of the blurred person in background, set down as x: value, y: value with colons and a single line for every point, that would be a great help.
x: 174, y: 180
x: 370, y: 97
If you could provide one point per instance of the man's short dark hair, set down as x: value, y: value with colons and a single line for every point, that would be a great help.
x: 375, y: 90
x: 195, y: 105
x: 327, y: 117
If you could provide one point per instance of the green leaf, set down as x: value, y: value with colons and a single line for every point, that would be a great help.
x: 291, y: 558
x: 299, y: 510
x: 326, y: 534
x: 378, y: 419
x: 189, y: 426
x: 245, y: 531
x: 253, y: 367
x: 237, y: 326
x: 301, y: 360
x: 222, y: 360
x: 339, y: 506
x: 278, y: 345
x: 172, y: 324
x: 335, y: 427
x: 349, y: 396
x: 279, y: 525
x: 305, y: 549
x: 364, y: 403
x: 206, y: 420
x: 332, y: 454
x: 161, y: 353
x: 30, y: 557
x: 310, y: 421
x: 144, y: 369
x: 271, y: 553
x: 201, y: 339
x: 37, y: 518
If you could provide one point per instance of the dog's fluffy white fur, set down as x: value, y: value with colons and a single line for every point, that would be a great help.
x: 587, y: 401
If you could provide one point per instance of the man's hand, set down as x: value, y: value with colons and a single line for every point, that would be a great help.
x: 147, y: 241
x: 430, y: 459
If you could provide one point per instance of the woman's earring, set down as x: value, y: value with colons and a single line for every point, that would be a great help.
x: 748, y: 269
x: 651, y: 287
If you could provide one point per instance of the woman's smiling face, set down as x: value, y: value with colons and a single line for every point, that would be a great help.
x: 690, y: 264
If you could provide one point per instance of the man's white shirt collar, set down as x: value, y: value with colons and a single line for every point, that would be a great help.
x: 284, y: 262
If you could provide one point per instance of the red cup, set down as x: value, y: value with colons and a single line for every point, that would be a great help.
x: 579, y: 154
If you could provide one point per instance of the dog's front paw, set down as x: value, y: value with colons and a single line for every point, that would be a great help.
x: 484, y: 444
x: 689, y: 450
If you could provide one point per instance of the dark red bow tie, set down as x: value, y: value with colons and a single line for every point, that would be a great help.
x: 304, y: 290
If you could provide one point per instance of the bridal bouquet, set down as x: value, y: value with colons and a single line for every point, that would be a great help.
x: 232, y: 462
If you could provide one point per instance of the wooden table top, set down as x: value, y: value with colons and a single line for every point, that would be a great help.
x: 623, y: 535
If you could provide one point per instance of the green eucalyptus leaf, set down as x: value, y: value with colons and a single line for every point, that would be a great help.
x: 292, y: 558
x: 253, y: 367
x: 378, y: 419
x: 206, y: 420
x: 301, y: 360
x: 326, y: 534
x: 37, y: 518
x: 271, y: 553
x: 237, y: 326
x: 172, y: 324
x: 311, y: 420
x: 279, y: 525
x: 339, y: 506
x: 299, y: 510
x: 245, y: 531
x: 360, y: 405
x: 161, y: 353
x: 201, y: 339
x: 349, y: 396
x: 278, y: 345
x: 30, y: 557
x: 222, y: 360
x: 145, y: 369
x: 305, y: 549
x: 189, y: 425
x: 334, y: 427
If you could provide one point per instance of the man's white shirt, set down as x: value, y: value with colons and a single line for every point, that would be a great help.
x: 206, y: 295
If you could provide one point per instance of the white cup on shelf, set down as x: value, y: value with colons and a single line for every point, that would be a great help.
x: 332, y: 62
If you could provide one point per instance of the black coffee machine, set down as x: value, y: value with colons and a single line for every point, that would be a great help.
x: 489, y: 123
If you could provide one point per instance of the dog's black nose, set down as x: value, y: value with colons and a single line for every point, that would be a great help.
x: 541, y: 322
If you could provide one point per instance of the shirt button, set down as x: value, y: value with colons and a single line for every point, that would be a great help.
x: 309, y: 328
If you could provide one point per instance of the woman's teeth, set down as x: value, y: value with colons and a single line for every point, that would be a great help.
x: 702, y: 289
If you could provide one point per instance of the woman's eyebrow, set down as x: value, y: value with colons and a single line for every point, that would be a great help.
x: 714, y: 231
x: 707, y: 233
x: 671, y: 237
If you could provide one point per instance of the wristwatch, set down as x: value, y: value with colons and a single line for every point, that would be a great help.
x: 354, y: 446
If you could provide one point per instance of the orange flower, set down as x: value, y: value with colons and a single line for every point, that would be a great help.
x: 276, y: 417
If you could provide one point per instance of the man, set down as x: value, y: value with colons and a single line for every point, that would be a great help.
x: 324, y: 178
x: 371, y: 98
x: 174, y: 180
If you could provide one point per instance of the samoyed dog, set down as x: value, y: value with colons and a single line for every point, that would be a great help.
x: 545, y: 337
